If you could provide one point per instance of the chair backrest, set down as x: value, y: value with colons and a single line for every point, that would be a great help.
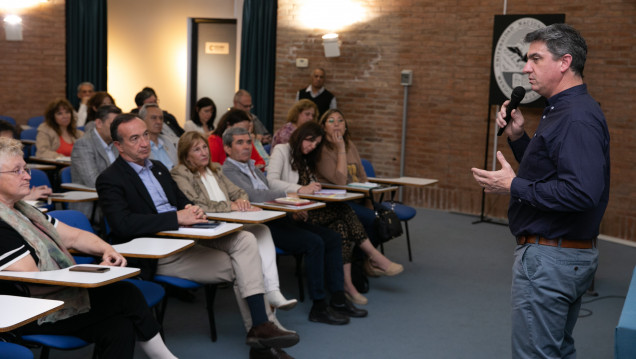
x: 29, y: 134
x: 368, y: 167
x: 73, y: 218
x: 9, y: 119
x: 65, y: 175
x: 39, y: 178
x: 35, y: 121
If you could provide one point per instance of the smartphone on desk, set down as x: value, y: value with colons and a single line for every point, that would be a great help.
x: 89, y: 269
x: 210, y: 224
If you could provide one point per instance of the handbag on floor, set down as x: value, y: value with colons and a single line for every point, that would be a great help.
x: 387, y: 224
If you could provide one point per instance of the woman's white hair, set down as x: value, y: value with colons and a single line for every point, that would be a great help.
x: 10, y: 147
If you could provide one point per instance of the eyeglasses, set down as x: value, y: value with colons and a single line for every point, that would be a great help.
x: 19, y: 172
x: 249, y: 107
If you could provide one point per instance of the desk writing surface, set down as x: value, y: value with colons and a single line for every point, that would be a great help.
x: 146, y: 247
x: 74, y: 196
x: 332, y: 197
x: 203, y: 233
x: 39, y: 166
x: 405, y: 181
x: 17, y: 311
x: 379, y: 189
x: 287, y: 207
x: 247, y: 216
x: 78, y: 187
x: 64, y: 277
x: 62, y: 161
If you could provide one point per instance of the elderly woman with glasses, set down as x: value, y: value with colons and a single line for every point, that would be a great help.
x: 112, y: 316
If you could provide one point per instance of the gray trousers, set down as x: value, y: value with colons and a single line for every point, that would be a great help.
x: 547, y: 286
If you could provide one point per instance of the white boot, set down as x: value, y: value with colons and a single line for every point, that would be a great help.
x: 276, y: 299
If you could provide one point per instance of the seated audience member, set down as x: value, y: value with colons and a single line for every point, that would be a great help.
x: 231, y: 119
x: 203, y: 117
x: 57, y: 134
x: 323, y: 247
x: 205, y: 185
x: 243, y: 101
x: 293, y: 169
x: 85, y: 91
x: 98, y: 100
x: 112, y: 316
x: 7, y: 130
x: 258, y: 146
x: 94, y: 152
x: 303, y: 111
x: 139, y: 198
x: 339, y: 163
x: 162, y: 148
x: 171, y: 128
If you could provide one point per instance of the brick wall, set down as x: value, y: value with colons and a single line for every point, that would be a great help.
x: 33, y: 71
x: 447, y: 44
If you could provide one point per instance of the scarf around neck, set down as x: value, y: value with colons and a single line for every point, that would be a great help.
x: 40, y: 234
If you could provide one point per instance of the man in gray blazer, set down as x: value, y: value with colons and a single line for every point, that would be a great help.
x: 94, y: 151
x: 92, y: 154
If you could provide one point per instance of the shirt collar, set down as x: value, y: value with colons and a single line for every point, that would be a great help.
x: 309, y: 89
x: 572, y: 91
x: 137, y: 168
x: 243, y: 165
x: 101, y: 140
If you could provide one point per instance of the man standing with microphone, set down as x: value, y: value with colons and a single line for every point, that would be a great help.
x: 557, y: 198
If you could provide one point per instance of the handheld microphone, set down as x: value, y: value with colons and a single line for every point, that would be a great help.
x: 515, y: 98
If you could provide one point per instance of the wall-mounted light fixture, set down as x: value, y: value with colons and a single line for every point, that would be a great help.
x: 331, y: 45
x: 13, y: 27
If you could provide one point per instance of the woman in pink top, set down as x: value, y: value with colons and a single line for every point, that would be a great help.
x: 303, y: 111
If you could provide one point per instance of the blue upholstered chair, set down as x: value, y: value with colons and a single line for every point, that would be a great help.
x: 59, y: 342
x: 404, y: 212
x: 40, y: 178
x: 14, y: 351
x: 65, y: 175
x: 35, y: 121
x: 9, y: 119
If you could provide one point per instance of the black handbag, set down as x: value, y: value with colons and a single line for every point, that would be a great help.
x: 387, y: 224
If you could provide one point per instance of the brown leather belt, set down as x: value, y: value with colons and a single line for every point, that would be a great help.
x: 560, y: 242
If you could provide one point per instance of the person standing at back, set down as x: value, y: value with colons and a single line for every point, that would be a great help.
x: 557, y: 198
x: 317, y: 92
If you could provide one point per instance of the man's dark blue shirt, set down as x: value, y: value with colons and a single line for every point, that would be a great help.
x: 562, y: 185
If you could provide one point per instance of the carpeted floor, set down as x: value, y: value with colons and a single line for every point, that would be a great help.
x: 451, y: 302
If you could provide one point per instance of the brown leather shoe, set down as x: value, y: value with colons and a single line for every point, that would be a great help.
x: 268, y: 335
x: 269, y: 353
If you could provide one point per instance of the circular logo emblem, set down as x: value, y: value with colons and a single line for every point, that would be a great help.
x: 511, y: 56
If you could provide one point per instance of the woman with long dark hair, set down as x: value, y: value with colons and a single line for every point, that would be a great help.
x: 203, y: 116
x: 57, y: 134
x: 293, y: 169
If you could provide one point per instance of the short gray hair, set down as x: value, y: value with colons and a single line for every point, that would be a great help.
x: 86, y: 83
x: 10, y: 147
x: 228, y: 135
x: 562, y: 39
x: 144, y: 109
